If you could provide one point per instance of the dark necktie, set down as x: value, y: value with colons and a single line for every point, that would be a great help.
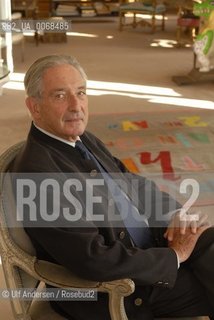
x: 137, y: 228
x: 83, y: 150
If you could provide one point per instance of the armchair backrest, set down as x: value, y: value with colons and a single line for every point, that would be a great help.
x: 15, y: 245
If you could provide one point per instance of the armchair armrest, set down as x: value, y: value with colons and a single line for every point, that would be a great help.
x: 117, y: 290
x: 59, y: 276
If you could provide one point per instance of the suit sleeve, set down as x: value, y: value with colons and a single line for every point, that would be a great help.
x: 85, y: 253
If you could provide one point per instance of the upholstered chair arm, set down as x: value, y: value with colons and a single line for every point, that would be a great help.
x: 117, y: 290
x: 59, y: 276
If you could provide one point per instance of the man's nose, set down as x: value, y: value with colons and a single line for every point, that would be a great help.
x: 73, y: 102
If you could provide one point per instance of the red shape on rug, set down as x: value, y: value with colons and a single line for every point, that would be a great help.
x: 165, y: 161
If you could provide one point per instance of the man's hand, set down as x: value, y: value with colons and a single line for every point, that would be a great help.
x: 182, y: 221
x: 183, y: 244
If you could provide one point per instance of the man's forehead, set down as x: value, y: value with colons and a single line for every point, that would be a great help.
x: 65, y: 74
x: 59, y: 70
x: 66, y: 88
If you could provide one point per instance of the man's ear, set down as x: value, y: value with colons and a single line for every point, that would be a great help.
x: 33, y: 106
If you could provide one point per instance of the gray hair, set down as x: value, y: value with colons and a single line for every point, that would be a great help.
x: 33, y: 77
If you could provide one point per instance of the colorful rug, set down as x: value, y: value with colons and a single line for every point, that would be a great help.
x: 166, y: 147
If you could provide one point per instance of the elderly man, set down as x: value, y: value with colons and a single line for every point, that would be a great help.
x: 172, y: 266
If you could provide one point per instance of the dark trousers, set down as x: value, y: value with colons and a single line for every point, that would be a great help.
x: 193, y: 293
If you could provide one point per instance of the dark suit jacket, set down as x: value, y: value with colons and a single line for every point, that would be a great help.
x: 95, y: 252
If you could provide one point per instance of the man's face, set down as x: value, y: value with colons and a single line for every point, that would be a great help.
x: 63, y: 107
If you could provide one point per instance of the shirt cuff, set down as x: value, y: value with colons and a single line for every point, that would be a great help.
x: 178, y: 260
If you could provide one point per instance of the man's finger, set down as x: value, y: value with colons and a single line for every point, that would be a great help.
x: 193, y: 226
x: 169, y: 234
x: 182, y: 226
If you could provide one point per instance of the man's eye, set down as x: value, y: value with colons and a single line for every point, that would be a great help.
x: 82, y: 93
x: 60, y: 96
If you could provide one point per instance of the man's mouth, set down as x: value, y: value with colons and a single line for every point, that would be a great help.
x: 74, y: 120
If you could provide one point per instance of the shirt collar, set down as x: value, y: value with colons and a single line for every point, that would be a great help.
x: 70, y: 143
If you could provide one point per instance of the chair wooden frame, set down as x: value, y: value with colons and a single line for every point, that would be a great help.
x: 15, y: 260
x: 138, y: 7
